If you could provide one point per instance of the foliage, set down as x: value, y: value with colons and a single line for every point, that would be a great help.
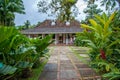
x: 18, y: 53
x: 112, y: 75
x: 8, y: 8
x: 23, y: 27
x: 109, y: 4
x: 79, y: 39
x: 62, y: 9
x: 90, y: 11
x: 115, y: 75
x: 27, y: 24
x: 104, y: 40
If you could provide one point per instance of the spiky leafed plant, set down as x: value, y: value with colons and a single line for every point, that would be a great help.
x: 100, y: 32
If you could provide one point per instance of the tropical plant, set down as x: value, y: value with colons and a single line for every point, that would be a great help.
x: 8, y: 8
x: 27, y: 24
x: 37, y: 42
x: 19, y: 53
x: 79, y: 40
x: 104, y: 54
x: 12, y: 46
x: 112, y: 75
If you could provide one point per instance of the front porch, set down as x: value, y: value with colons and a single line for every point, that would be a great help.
x: 59, y: 38
x: 67, y: 39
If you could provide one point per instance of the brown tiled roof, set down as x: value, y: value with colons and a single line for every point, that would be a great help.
x: 59, y: 27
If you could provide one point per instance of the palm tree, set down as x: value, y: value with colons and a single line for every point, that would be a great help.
x: 27, y: 24
x: 8, y: 8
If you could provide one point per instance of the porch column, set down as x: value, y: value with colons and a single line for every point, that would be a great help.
x: 43, y: 35
x: 71, y: 39
x: 29, y: 35
x: 56, y: 39
x: 66, y: 39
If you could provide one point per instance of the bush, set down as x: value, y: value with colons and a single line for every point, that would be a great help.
x: 19, y: 53
x: 79, y: 41
x: 104, y: 40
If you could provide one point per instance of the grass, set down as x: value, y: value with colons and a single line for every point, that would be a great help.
x: 77, y: 53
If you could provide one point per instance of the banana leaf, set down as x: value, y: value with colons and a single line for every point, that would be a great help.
x: 7, y: 69
x: 24, y: 64
x: 4, y: 33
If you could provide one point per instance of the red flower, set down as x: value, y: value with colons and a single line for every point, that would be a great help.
x: 102, y: 54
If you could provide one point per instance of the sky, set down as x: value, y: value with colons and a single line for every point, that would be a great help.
x: 34, y: 16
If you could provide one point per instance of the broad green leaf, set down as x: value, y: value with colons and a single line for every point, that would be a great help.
x: 94, y: 24
x: 106, y: 35
x: 24, y: 64
x: 100, y: 30
x: 112, y: 16
x: 100, y: 19
x: 7, y: 69
x: 88, y: 27
x: 105, y: 17
x: 106, y: 26
x: 107, y: 67
x: 90, y: 43
x: 113, y: 43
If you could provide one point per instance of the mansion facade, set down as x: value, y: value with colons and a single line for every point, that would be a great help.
x: 63, y: 32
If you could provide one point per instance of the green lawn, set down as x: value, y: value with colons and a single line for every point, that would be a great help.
x: 81, y: 53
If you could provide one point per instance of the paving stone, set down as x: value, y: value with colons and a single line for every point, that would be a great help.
x: 71, y: 79
x: 68, y: 74
x: 50, y: 67
x: 53, y: 58
x: 54, y: 54
x: 81, y: 51
x: 91, y: 78
x: 77, y: 61
x: 51, y: 61
x: 63, y: 53
x: 87, y: 73
x: 63, y: 57
x: 65, y: 61
x: 83, y: 55
x: 82, y: 66
x: 66, y: 66
x: 48, y: 76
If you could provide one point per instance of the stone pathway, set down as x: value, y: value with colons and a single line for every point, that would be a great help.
x: 64, y: 65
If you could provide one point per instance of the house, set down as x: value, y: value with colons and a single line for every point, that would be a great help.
x: 63, y: 32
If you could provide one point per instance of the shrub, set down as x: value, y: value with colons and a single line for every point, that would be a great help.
x: 104, y: 43
x: 19, y: 53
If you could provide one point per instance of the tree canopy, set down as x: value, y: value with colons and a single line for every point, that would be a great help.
x: 62, y: 9
x: 8, y: 8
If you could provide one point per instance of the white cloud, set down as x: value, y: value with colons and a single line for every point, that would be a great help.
x: 34, y: 6
x: 81, y: 6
